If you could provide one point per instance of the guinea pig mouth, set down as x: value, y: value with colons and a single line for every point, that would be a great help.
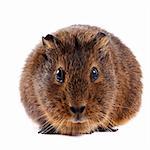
x: 78, y: 119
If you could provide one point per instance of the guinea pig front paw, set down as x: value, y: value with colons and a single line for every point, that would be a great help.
x: 107, y: 129
x: 49, y: 129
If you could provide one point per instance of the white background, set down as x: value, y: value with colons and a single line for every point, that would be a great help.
x: 23, y: 23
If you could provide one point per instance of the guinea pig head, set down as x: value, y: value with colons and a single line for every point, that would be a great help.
x: 75, y: 81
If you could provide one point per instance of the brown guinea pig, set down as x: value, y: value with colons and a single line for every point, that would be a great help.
x: 81, y: 79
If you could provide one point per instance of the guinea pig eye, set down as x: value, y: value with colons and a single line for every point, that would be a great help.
x: 94, y: 74
x: 60, y: 75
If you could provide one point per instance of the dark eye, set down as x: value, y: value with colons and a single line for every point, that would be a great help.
x: 94, y: 74
x: 60, y: 75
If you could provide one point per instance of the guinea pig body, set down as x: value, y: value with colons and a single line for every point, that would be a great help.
x: 79, y: 80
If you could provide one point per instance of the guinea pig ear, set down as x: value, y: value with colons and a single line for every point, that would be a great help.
x: 100, y: 39
x: 50, y: 40
x: 47, y: 40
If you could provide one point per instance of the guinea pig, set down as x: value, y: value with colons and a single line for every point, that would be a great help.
x: 81, y: 79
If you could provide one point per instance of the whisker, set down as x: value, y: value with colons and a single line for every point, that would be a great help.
x: 89, y: 128
x: 118, y: 106
x: 50, y: 130
x: 59, y: 122
x: 40, y: 117
x: 111, y: 122
x: 67, y: 124
x: 46, y: 129
x: 45, y: 124
x: 106, y: 128
x: 92, y: 129
x: 55, y: 129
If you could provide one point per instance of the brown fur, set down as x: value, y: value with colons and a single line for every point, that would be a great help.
x: 111, y: 100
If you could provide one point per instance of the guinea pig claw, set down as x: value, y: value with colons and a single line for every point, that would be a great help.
x: 112, y: 130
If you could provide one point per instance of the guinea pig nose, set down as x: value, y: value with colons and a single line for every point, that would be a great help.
x: 77, y: 110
